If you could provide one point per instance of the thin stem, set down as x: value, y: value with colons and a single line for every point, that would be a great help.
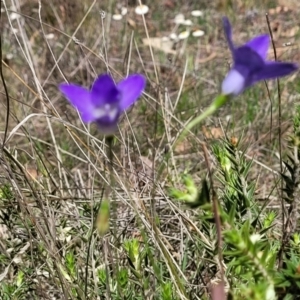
x: 4, y: 86
x: 113, y: 204
x: 280, y: 262
x: 110, y: 190
x: 217, y: 103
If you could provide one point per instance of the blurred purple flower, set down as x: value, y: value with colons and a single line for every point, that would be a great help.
x: 105, y: 101
x: 250, y: 63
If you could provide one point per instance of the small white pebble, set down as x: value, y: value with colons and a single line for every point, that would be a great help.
x: 183, y: 35
x: 141, y: 9
x: 197, y: 13
x: 117, y: 17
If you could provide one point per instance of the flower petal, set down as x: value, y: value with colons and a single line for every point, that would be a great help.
x: 131, y: 88
x: 104, y: 91
x: 247, y: 61
x: 260, y: 45
x: 273, y: 70
x: 228, y: 33
x: 234, y: 83
x: 79, y: 98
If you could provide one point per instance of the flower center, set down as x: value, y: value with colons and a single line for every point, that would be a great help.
x: 107, y: 110
x: 234, y: 83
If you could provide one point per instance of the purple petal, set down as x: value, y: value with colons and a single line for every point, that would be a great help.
x: 79, y: 98
x: 131, y: 88
x: 234, y: 83
x: 260, y: 45
x: 250, y: 63
x: 247, y: 61
x: 273, y: 70
x: 104, y: 91
x: 228, y: 33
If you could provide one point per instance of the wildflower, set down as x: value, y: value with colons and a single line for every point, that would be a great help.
x: 197, y: 13
x: 173, y: 36
x: 250, y: 64
x: 105, y: 101
x: 117, y: 17
x: 179, y: 19
x: 187, y: 23
x: 124, y: 11
x: 198, y: 33
x: 141, y: 9
x: 183, y: 35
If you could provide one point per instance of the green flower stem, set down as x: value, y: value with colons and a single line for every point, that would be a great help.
x: 217, y: 103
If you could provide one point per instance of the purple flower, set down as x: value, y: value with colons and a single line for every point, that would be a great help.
x: 250, y: 63
x: 105, y: 101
